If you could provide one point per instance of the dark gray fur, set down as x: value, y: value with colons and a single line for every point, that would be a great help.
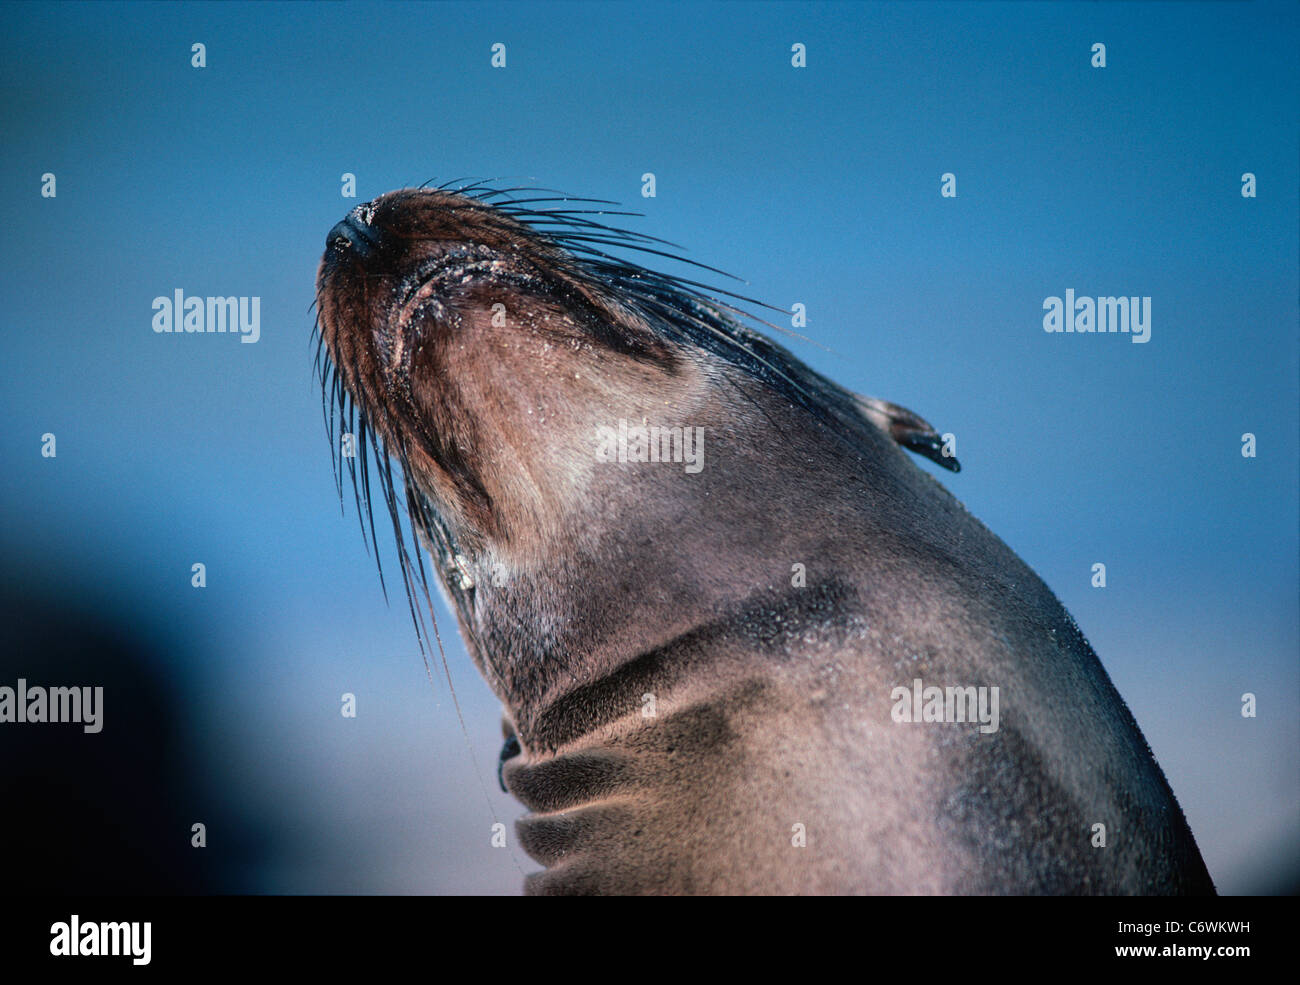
x: 772, y: 701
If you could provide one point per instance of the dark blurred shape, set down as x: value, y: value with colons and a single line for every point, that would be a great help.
x: 105, y: 813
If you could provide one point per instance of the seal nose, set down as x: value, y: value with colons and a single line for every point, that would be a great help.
x: 354, y: 236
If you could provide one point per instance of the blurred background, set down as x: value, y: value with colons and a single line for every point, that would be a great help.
x: 817, y: 185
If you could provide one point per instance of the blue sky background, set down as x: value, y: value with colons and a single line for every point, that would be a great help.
x: 818, y: 185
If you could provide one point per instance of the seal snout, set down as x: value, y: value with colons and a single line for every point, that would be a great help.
x: 354, y: 236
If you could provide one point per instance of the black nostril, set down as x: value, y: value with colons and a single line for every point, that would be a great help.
x: 353, y: 236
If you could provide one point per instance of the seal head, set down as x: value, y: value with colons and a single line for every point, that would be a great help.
x: 697, y: 573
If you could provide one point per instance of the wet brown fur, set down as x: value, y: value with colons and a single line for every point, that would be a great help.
x: 581, y: 587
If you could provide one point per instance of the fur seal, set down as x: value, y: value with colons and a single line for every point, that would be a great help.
x: 802, y: 667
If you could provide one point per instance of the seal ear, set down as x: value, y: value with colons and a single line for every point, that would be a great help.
x: 909, y: 430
